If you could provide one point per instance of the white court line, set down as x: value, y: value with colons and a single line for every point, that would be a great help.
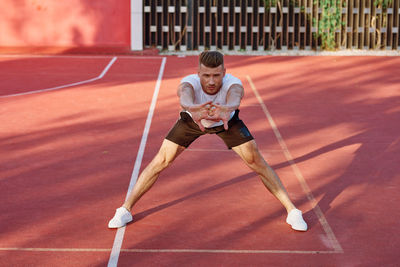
x: 76, y: 56
x: 226, y: 150
x: 227, y: 251
x: 249, y: 105
x: 58, y: 249
x: 208, y: 150
x: 231, y: 251
x: 68, y: 85
x: 121, y: 231
x: 328, y: 230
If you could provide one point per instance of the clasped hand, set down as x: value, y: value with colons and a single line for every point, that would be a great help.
x: 210, y: 111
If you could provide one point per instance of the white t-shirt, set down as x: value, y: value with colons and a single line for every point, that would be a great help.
x: 200, y: 97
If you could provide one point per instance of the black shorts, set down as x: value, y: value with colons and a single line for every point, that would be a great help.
x: 185, y: 131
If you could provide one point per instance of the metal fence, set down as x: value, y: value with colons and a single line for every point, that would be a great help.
x: 268, y: 25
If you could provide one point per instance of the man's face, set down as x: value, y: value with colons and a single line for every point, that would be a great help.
x: 211, y: 78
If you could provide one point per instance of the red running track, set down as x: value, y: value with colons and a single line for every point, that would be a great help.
x: 67, y: 157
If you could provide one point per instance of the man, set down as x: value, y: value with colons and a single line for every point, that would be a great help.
x: 210, y: 102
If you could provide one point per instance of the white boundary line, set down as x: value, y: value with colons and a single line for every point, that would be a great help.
x: 227, y: 150
x: 67, y: 85
x: 328, y: 230
x: 227, y: 251
x: 77, y: 56
x: 58, y: 249
x: 113, y: 261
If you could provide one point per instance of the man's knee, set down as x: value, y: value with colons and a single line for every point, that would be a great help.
x: 167, y: 154
x: 252, y: 156
x: 162, y: 160
x: 255, y: 161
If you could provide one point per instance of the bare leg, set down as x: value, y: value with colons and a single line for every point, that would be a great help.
x: 253, y: 158
x: 165, y: 156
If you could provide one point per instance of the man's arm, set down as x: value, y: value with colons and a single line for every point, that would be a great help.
x: 233, y: 98
x: 186, y: 95
x: 186, y: 99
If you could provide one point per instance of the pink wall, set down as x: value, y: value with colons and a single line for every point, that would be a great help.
x: 101, y: 24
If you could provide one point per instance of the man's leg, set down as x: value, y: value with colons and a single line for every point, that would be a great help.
x: 252, y: 157
x: 165, y: 156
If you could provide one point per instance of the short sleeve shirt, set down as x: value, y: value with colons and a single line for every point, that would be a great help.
x: 200, y: 97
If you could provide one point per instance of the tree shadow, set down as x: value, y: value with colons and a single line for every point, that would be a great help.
x: 141, y: 215
x: 360, y: 99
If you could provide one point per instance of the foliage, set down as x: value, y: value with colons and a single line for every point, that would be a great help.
x: 268, y: 3
x: 382, y: 3
x: 329, y: 22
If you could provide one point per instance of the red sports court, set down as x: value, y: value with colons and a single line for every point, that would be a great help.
x: 81, y: 115
x: 70, y: 145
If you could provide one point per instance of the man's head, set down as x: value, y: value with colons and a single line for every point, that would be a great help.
x: 211, y: 71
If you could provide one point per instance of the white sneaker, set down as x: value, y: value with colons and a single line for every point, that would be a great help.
x: 295, y: 219
x: 121, y: 218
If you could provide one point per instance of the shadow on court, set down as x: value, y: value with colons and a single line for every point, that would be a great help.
x: 67, y: 165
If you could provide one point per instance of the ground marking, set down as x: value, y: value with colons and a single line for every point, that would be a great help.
x: 68, y: 85
x: 121, y: 231
x: 267, y: 151
x: 58, y: 249
x: 227, y: 251
x: 328, y: 230
x: 230, y: 251
x: 207, y: 150
x: 77, y: 56
x: 249, y: 105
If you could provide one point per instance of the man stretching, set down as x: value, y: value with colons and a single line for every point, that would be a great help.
x: 210, y: 102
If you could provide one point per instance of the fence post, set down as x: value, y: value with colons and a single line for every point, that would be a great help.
x: 136, y: 25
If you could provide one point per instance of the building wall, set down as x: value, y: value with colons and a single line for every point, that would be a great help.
x: 72, y: 24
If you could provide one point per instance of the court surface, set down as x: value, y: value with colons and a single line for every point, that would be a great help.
x: 76, y: 130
